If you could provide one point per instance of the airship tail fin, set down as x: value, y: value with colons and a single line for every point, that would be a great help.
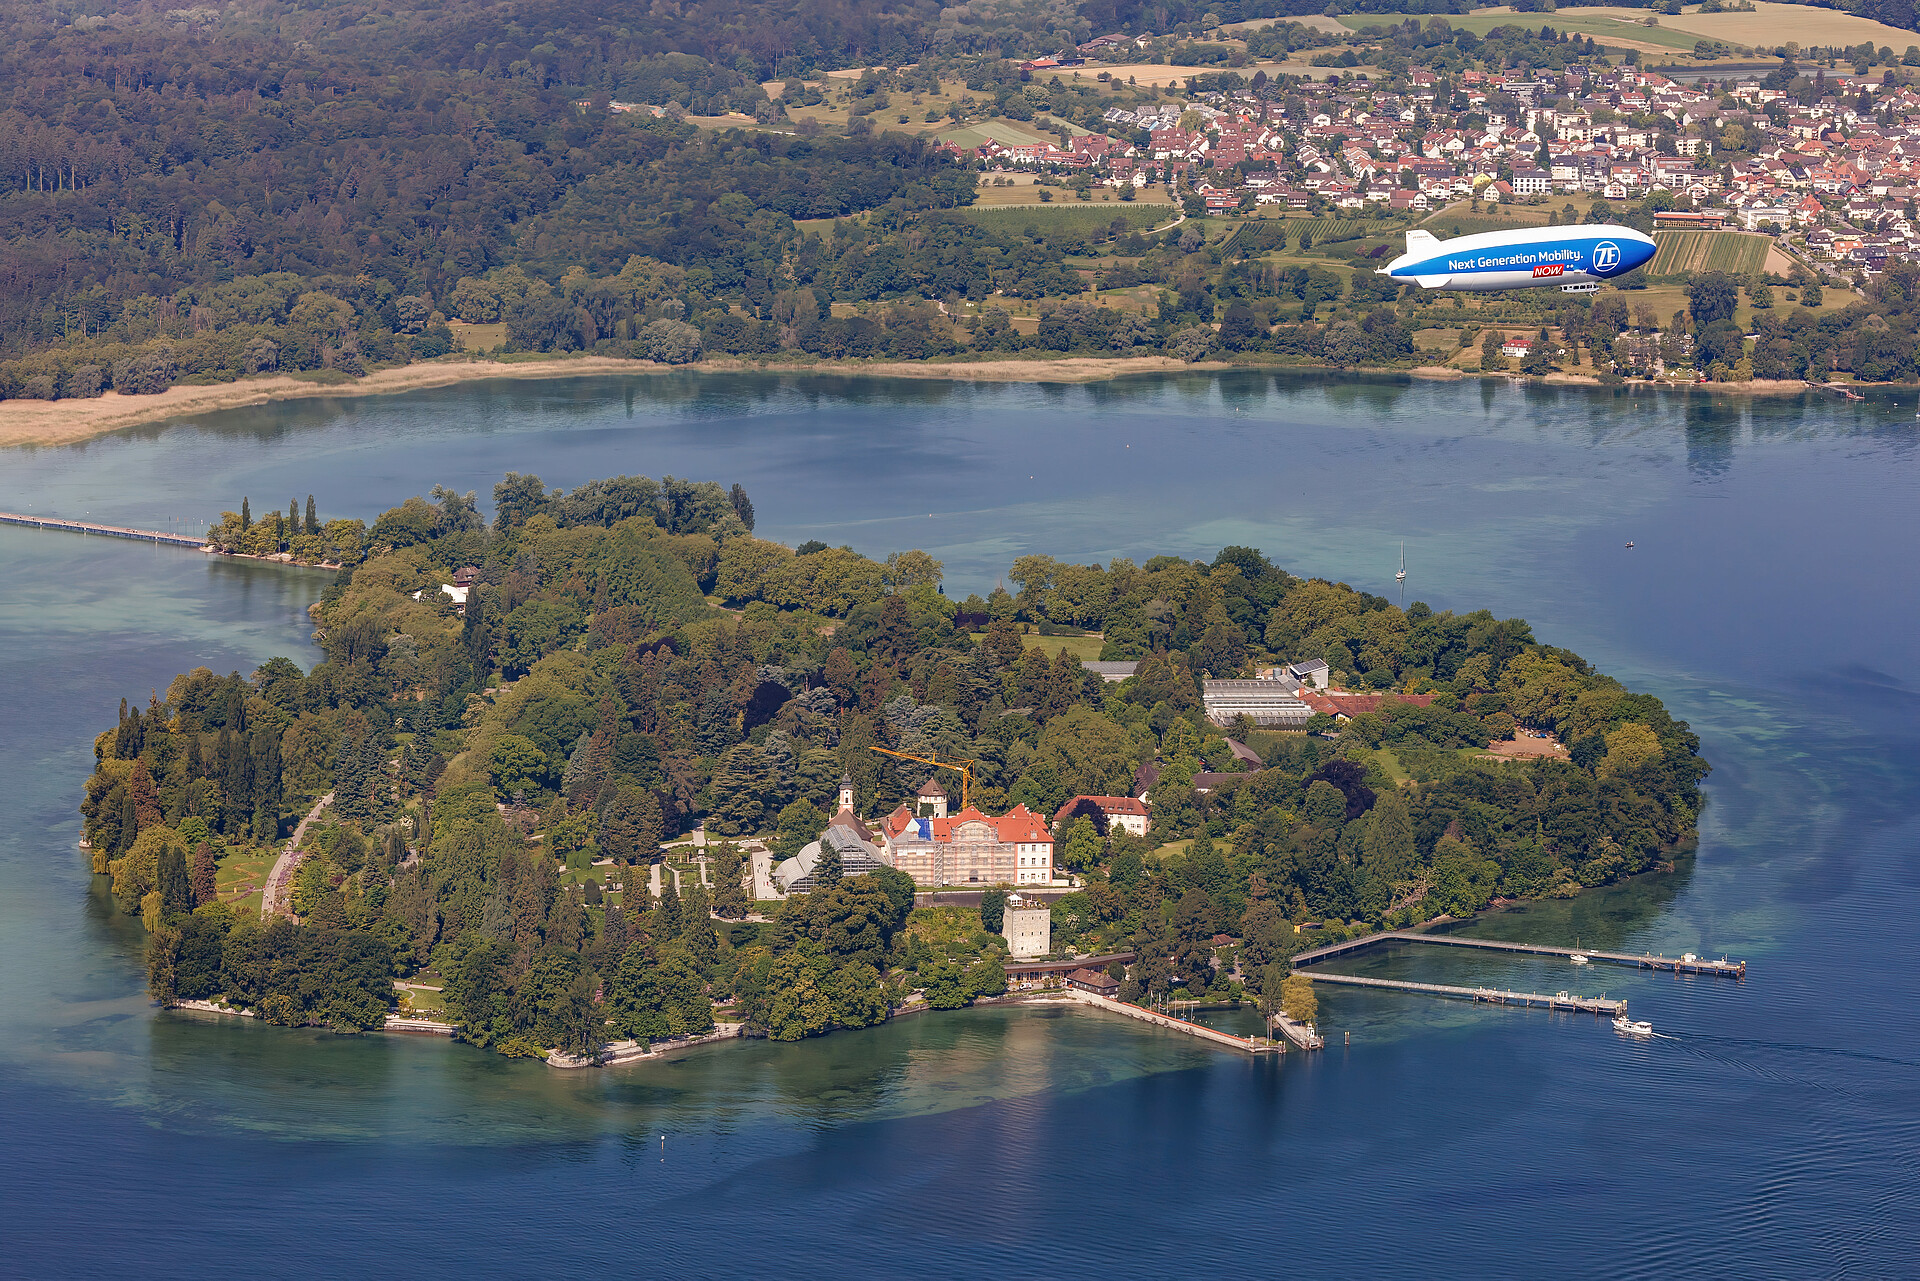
x: 1422, y: 242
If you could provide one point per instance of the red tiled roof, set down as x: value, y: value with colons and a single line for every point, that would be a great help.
x: 1109, y: 805
x: 1016, y: 825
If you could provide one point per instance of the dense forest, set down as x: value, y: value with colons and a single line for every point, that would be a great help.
x: 631, y: 661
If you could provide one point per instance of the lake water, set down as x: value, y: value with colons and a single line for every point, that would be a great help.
x: 1772, y: 1131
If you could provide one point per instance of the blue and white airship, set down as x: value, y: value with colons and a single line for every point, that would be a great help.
x: 1575, y: 258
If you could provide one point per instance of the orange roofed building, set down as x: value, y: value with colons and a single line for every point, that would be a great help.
x: 970, y: 848
x: 1337, y: 703
x: 1125, y: 813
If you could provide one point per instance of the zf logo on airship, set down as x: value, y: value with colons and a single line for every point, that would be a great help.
x: 1575, y: 258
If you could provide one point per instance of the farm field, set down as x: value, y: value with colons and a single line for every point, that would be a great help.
x: 1622, y: 31
x: 1142, y: 74
x: 1684, y: 252
x: 1026, y: 195
x: 1311, y: 21
x: 1768, y: 26
x: 1328, y: 230
x: 1008, y: 133
x: 1068, y: 214
x: 1448, y: 224
x: 906, y: 111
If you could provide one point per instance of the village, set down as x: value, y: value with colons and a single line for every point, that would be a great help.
x: 1834, y: 167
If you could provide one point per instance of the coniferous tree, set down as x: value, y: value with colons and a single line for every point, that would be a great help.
x: 313, y: 518
x: 613, y: 935
x: 128, y: 829
x: 671, y: 913
x: 630, y: 826
x: 702, y: 943
x: 204, y: 870
x: 163, y: 957
x: 634, y: 1000
x: 827, y: 870
x: 729, y: 870
x: 246, y: 514
x: 176, y: 891
x: 293, y: 517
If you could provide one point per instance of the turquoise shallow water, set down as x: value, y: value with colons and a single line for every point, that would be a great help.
x: 1770, y: 599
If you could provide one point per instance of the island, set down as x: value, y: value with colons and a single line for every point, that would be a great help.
x: 612, y: 771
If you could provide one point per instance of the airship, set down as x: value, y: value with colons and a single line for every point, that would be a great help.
x: 1576, y: 258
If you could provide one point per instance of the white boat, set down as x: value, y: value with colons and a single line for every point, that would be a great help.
x: 1401, y: 577
x: 1576, y: 958
x: 1624, y: 1024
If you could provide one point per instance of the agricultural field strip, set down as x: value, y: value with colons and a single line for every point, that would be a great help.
x: 1683, y: 252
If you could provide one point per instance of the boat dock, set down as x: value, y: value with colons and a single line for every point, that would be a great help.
x: 1688, y: 964
x: 109, y: 531
x: 1492, y: 996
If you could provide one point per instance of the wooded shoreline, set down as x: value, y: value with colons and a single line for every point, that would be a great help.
x: 64, y: 422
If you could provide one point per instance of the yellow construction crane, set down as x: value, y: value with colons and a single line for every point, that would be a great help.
x: 963, y: 764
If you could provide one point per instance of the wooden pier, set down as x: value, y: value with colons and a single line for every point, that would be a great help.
x: 1492, y: 996
x: 1647, y: 961
x: 108, y: 531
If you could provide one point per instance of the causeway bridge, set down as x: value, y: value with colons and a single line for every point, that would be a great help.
x: 1688, y: 964
x: 109, y: 531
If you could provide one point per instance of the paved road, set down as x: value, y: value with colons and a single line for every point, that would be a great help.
x: 276, y: 898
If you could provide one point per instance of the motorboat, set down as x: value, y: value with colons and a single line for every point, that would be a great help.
x: 1624, y: 1024
x: 1577, y: 958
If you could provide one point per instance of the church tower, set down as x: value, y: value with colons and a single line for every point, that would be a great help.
x: 846, y: 792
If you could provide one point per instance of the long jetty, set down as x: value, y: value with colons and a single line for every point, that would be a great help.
x: 1492, y: 996
x: 1688, y: 964
x: 109, y: 531
x: 1247, y: 1044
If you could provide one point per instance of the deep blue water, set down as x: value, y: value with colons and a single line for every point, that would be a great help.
x: 1770, y: 599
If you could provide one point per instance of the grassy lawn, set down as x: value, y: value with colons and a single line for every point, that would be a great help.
x: 1390, y: 763
x: 1171, y: 848
x: 478, y: 337
x: 242, y: 876
x: 1082, y: 647
x: 423, y: 992
x: 580, y: 876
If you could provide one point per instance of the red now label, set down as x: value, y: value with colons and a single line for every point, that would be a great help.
x: 1552, y: 269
